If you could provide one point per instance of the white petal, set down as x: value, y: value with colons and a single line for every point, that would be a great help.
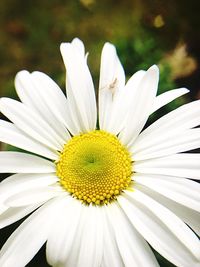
x: 167, y: 97
x: 19, y: 184
x: 13, y: 162
x: 60, y: 240
x: 181, y: 190
x: 189, y: 216
x: 111, y: 254
x: 33, y: 196
x: 157, y: 233
x: 166, y: 144
x: 80, y: 88
x: 42, y: 94
x: 55, y: 101
x: 25, y: 242
x: 178, y: 120
x: 91, y: 247
x: 35, y: 178
x: 181, y: 165
x: 29, y: 122
x: 183, y: 233
x: 111, y: 67
x: 78, y: 44
x: 11, y: 135
x: 3, y: 208
x: 122, y: 103
x: 71, y: 259
x: 141, y: 106
x: 112, y: 79
x: 12, y: 215
x: 133, y: 248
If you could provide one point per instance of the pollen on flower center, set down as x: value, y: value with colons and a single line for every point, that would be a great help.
x: 94, y: 167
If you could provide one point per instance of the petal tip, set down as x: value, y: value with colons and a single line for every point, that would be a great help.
x: 21, y: 73
x: 76, y: 39
x: 64, y: 46
x: 185, y: 89
x: 109, y: 47
x: 154, y: 68
x: 153, y: 72
x: 77, y: 42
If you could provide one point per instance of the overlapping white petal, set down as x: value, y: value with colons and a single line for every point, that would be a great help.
x: 73, y: 256
x: 10, y: 134
x: 160, y: 233
x: 56, y: 104
x: 20, y: 182
x: 166, y: 144
x: 44, y: 97
x: 91, y: 239
x: 122, y: 103
x: 132, y: 247
x: 62, y: 237
x: 180, y: 165
x: 183, y: 233
x: 17, y: 162
x: 176, y: 121
x: 189, y: 216
x: 181, y: 190
x: 79, y: 86
x: 33, y: 196
x: 30, y: 123
x: 12, y: 215
x: 29, y: 236
x: 141, y: 106
x: 111, y: 254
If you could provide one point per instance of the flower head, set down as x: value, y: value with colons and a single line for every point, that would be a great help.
x: 99, y: 196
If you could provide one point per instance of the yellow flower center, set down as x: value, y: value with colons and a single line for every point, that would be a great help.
x: 94, y: 167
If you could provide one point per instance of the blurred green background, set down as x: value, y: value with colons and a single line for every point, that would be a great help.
x: 145, y: 32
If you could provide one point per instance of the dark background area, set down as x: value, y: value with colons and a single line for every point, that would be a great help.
x: 145, y: 32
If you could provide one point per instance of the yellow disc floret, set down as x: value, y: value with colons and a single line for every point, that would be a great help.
x: 94, y: 167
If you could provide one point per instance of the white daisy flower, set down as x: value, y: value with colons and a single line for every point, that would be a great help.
x: 99, y: 195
